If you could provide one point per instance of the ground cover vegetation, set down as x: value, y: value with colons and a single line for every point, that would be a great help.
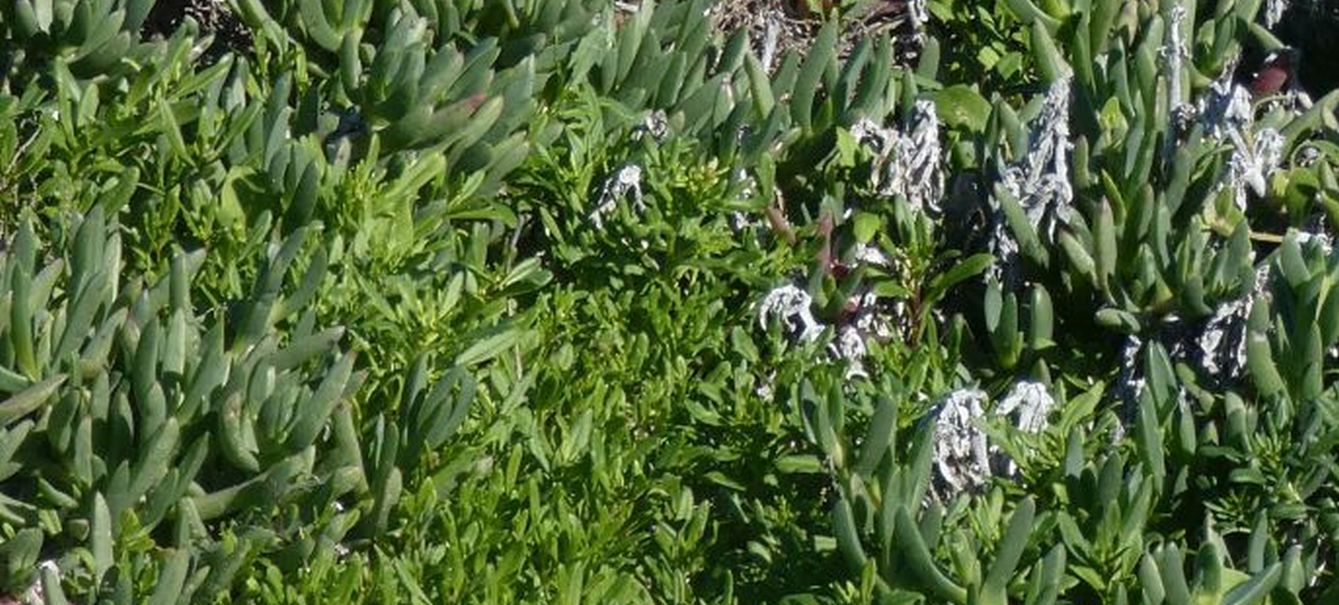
x: 579, y: 301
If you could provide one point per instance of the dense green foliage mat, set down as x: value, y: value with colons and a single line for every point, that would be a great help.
x: 577, y: 301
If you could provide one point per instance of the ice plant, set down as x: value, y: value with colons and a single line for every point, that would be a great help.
x: 169, y: 434
x: 1174, y: 53
x: 1216, y: 345
x: 36, y: 594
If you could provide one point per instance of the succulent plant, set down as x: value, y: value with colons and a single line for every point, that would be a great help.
x: 90, y: 36
x: 1063, y: 332
x: 136, y: 392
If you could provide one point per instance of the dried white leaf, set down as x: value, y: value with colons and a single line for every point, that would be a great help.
x: 919, y: 11
x: 1225, y: 108
x: 1032, y: 402
x: 908, y: 162
x: 1222, y: 344
x: 1039, y: 181
x: 1253, y: 162
x: 1319, y: 239
x: 625, y: 184
x: 961, y: 451
x: 765, y: 389
x: 963, y: 455
x: 870, y: 255
x: 790, y: 306
x: 655, y: 124
x: 1227, y: 116
x: 36, y: 595
x: 1274, y: 10
x: 850, y: 347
